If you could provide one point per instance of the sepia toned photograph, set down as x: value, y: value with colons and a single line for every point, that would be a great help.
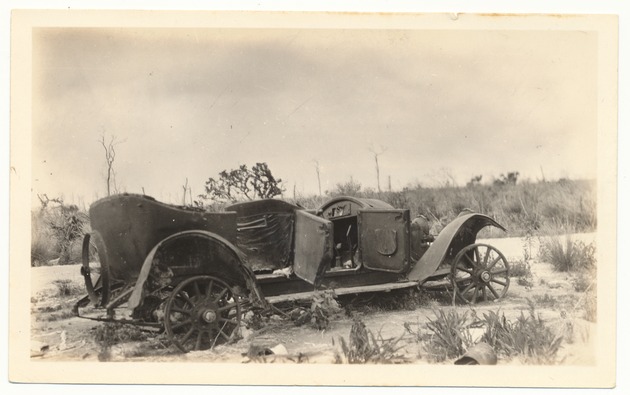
x: 376, y: 198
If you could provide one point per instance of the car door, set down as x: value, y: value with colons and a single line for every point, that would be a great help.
x: 384, y: 239
x: 313, y: 246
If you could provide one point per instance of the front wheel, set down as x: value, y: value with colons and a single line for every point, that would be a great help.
x: 480, y: 272
x: 202, y: 311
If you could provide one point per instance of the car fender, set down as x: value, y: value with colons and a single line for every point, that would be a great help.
x: 462, y: 231
x: 247, y: 274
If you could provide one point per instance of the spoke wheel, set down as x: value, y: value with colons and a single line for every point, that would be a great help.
x: 480, y: 273
x: 93, y: 254
x: 201, y: 312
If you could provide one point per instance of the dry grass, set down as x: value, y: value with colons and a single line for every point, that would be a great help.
x: 67, y: 287
x: 110, y: 334
x: 525, y: 208
x: 529, y: 336
x: 364, y: 347
x: 566, y: 254
x: 449, y: 335
x: 56, y: 316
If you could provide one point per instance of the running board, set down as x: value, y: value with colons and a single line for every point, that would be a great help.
x: 341, y: 291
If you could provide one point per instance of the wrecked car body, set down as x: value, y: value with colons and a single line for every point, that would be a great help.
x: 193, y: 273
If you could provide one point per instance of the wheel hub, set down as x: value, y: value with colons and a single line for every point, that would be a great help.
x: 485, y: 276
x: 209, y: 316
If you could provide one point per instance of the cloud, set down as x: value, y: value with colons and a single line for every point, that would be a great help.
x: 192, y: 102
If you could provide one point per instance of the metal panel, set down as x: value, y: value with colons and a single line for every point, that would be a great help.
x: 384, y: 239
x: 267, y: 240
x: 462, y: 231
x: 343, y: 206
x: 131, y: 225
x: 313, y: 247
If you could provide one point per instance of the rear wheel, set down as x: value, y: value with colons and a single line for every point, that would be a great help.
x: 93, y: 262
x: 201, y: 312
x: 480, y: 273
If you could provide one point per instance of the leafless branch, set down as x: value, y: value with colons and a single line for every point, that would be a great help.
x: 319, y: 182
x: 378, y: 172
x: 110, y: 157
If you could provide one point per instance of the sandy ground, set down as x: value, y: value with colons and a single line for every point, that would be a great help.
x: 57, y: 335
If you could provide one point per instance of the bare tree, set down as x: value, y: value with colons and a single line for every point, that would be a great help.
x: 378, y: 171
x: 319, y: 182
x: 110, y: 156
x: 187, y: 191
x: 185, y: 187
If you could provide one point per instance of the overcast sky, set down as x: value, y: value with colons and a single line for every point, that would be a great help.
x: 192, y: 102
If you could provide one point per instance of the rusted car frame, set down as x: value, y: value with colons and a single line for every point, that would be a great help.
x: 193, y: 273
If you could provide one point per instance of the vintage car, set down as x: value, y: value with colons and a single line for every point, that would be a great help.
x: 194, y: 273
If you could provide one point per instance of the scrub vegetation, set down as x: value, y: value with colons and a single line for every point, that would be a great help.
x: 525, y: 208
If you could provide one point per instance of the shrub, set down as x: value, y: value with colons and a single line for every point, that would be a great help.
x: 590, y: 306
x: 520, y: 269
x: 569, y: 255
x: 525, y: 282
x: 450, y: 335
x: 523, y: 273
x: 323, y: 309
x: 545, y: 300
x: 56, y: 229
x: 534, y: 339
x: 112, y: 333
x: 42, y: 248
x: 56, y: 316
x: 348, y: 188
x: 498, y: 333
x: 586, y: 284
x: 401, y: 299
x: 243, y: 183
x: 308, y: 201
x: 415, y: 330
x: 583, y: 282
x: 67, y: 288
x: 364, y: 347
x: 529, y: 336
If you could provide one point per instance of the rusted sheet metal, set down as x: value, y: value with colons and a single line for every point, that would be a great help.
x: 245, y: 209
x: 462, y: 231
x: 343, y: 291
x: 265, y: 232
x: 195, y: 252
x: 313, y: 247
x: 343, y: 206
x: 131, y: 225
x: 276, y: 284
x: 384, y: 239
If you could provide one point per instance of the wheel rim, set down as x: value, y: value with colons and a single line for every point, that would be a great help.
x: 200, y: 313
x: 94, y: 252
x: 480, y: 273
